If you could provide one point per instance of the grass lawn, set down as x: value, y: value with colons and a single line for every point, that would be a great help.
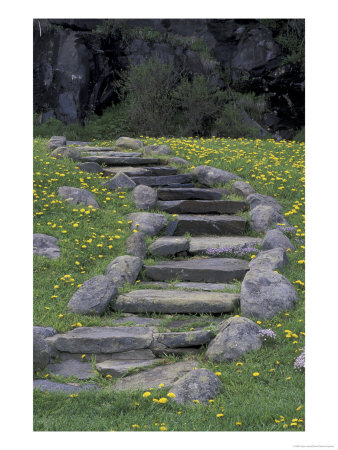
x: 89, y: 239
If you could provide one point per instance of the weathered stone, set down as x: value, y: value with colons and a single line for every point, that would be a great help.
x: 77, y: 196
x: 45, y: 332
x: 190, y: 194
x: 200, y: 384
x: 210, y: 176
x: 199, y: 245
x: 144, y: 197
x: 263, y: 216
x: 158, y: 149
x: 274, y: 239
x: 242, y: 188
x: 176, y: 301
x: 141, y: 171
x: 120, y: 181
x: 41, y: 351
x: 127, y: 142
x: 237, y: 336
x: 56, y: 141
x: 119, y: 160
x: 44, y: 245
x: 191, y: 321
x: 91, y: 167
x: 218, y: 225
x: 102, y: 339
x: 181, y: 339
x: 82, y: 370
x: 66, y: 152
x: 149, y: 223
x: 166, y: 246
x: 141, y: 354
x: 259, y: 199
x: 134, y: 320
x: 136, y: 245
x: 117, y: 369
x: 273, y: 259
x: 92, y: 149
x: 124, y: 269
x: 180, y: 351
x: 51, y: 386
x: 94, y: 296
x: 202, y: 206
x: 166, y: 374
x: 164, y: 180
x: 176, y: 160
x: 205, y: 286
x: 103, y: 157
x: 211, y: 270
x: 265, y: 294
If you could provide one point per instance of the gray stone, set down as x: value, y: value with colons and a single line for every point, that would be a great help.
x: 127, y: 142
x: 218, y: 225
x: 164, y: 180
x: 166, y: 246
x: 199, y: 245
x: 56, y: 141
x: 51, y: 386
x: 259, y: 199
x: 124, y: 269
x: 102, y: 339
x: 137, y: 320
x: 91, y: 167
x: 273, y: 259
x: 77, y: 196
x: 41, y: 351
x: 66, y: 152
x: 150, y: 379
x: 119, y: 368
x: 94, y: 296
x: 211, y: 270
x: 44, y: 332
x: 176, y: 301
x: 120, y: 181
x: 190, y: 194
x: 237, y: 336
x: 141, y: 171
x: 119, y: 160
x: 82, y: 370
x: 205, y: 286
x: 265, y: 294
x: 262, y: 217
x: 141, y: 354
x: 181, y: 339
x: 149, y: 223
x: 210, y: 176
x: 44, y: 245
x: 144, y: 197
x: 157, y: 149
x: 180, y: 351
x: 136, y: 245
x: 274, y: 239
x: 242, y: 188
x: 202, y: 206
x: 176, y: 160
x: 200, y: 384
x: 101, y: 157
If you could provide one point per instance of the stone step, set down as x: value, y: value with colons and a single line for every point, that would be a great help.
x: 51, y: 386
x: 197, y: 225
x: 210, y: 270
x: 199, y: 244
x: 140, y: 171
x: 71, y: 367
x: 164, y: 180
x: 176, y: 301
x: 188, y: 285
x: 117, y: 369
x: 121, y: 161
x: 191, y: 194
x: 98, y: 156
x: 202, y: 206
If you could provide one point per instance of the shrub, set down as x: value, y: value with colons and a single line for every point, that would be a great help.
x: 300, y: 136
x: 231, y: 124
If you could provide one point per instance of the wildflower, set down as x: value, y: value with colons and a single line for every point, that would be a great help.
x: 161, y: 385
x: 300, y: 361
x: 83, y: 356
x: 146, y: 394
x: 239, y: 364
x: 238, y: 424
x: 163, y: 400
x: 267, y: 334
x: 171, y: 395
x: 60, y: 316
x: 73, y: 395
x: 108, y: 376
x: 299, y: 407
x: 196, y: 401
x: 135, y: 425
x: 256, y: 374
x: 163, y: 428
x: 218, y: 373
x: 219, y: 415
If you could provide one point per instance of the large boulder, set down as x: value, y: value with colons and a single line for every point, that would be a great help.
x: 274, y: 239
x: 149, y: 223
x: 41, y: 351
x: 93, y: 296
x: 66, y: 152
x: 91, y: 167
x: 136, y: 245
x: 56, y: 141
x: 262, y: 217
x: 273, y: 259
x: 200, y: 384
x: 44, y: 245
x: 237, y: 336
x: 129, y: 143
x: 157, y: 149
x: 124, y: 269
x: 120, y: 181
x: 77, y: 196
x: 44, y: 332
x: 144, y: 197
x: 177, y: 160
x: 258, y: 199
x: 211, y: 176
x: 266, y: 293
x: 242, y: 188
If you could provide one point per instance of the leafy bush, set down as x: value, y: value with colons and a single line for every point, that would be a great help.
x: 231, y: 124
x: 300, y: 136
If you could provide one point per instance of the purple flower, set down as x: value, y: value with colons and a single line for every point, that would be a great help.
x: 267, y: 334
x: 300, y: 361
x: 231, y: 251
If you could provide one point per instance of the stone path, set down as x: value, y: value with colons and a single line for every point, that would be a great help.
x: 189, y: 283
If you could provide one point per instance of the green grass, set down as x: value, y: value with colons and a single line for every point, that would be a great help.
x: 272, y: 168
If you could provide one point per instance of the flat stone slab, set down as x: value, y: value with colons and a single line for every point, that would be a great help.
x: 164, y: 180
x: 220, y: 225
x: 102, y: 339
x: 119, y: 368
x: 191, y: 194
x: 169, y: 245
x: 141, y: 171
x: 205, y: 286
x: 199, y: 245
x: 97, y: 156
x: 51, y: 386
x: 166, y: 375
x: 44, y: 245
x: 141, y: 354
x: 179, y: 339
x: 202, y: 206
x: 82, y: 370
x: 121, y: 161
x: 176, y: 301
x: 211, y: 270
x: 136, y: 320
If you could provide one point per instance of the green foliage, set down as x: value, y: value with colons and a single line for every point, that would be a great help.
x: 300, y: 136
x: 252, y: 104
x: 231, y: 124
